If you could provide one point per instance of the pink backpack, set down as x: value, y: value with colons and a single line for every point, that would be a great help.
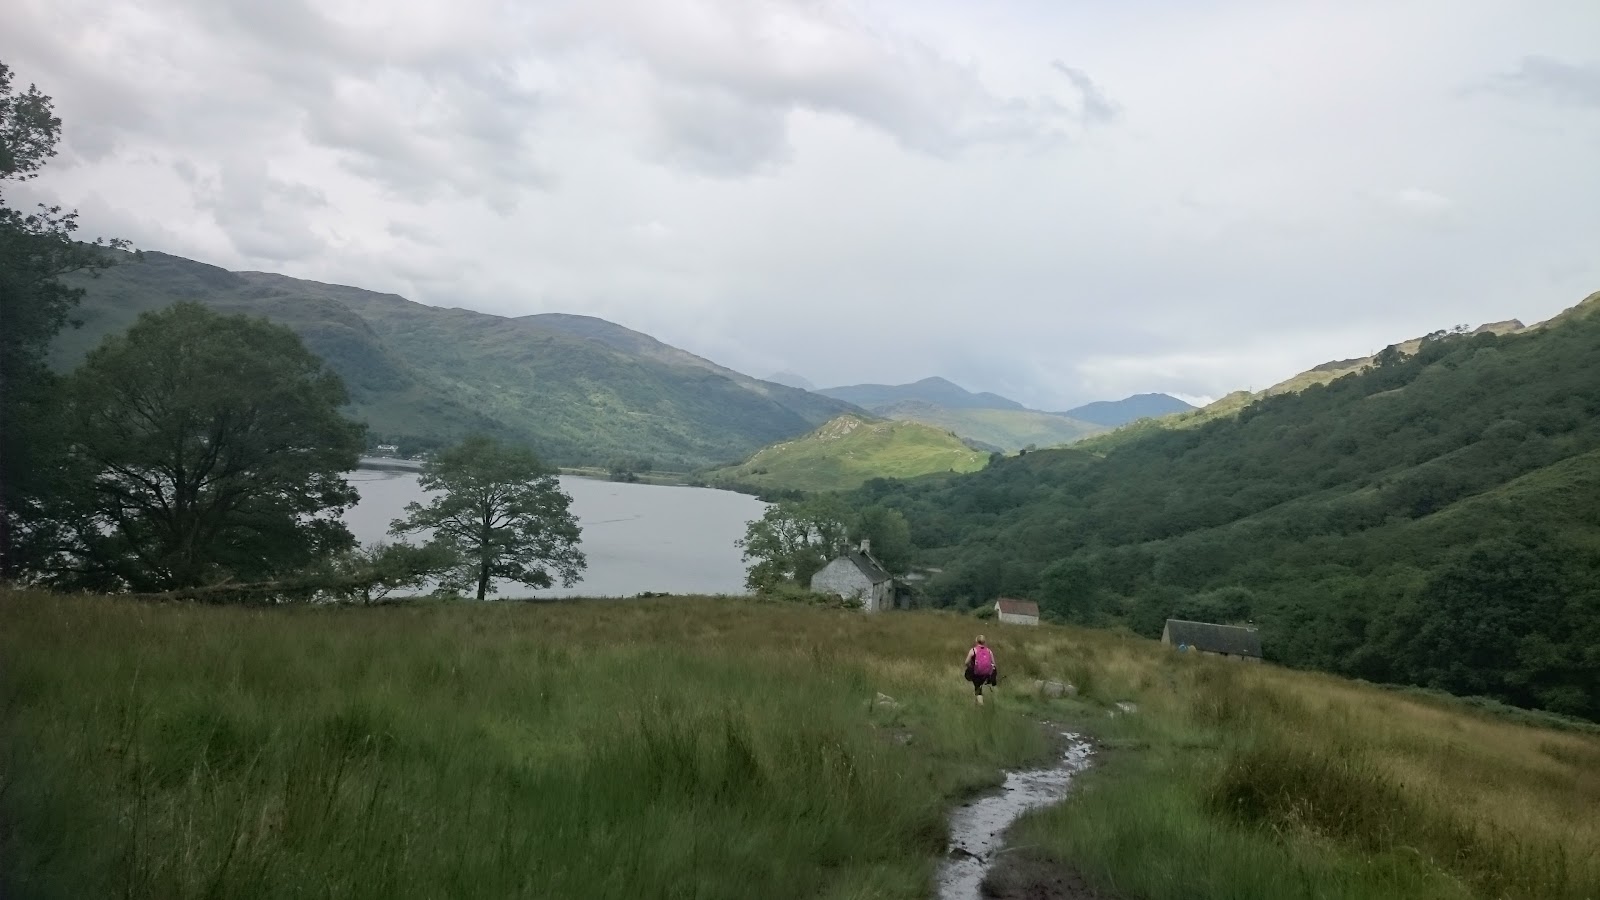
x: 982, y: 661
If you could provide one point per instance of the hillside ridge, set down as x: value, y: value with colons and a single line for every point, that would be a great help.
x: 849, y: 450
x: 578, y: 389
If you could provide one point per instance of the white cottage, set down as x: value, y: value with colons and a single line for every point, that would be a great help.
x: 857, y: 576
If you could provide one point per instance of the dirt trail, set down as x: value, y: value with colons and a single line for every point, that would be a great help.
x: 975, y: 828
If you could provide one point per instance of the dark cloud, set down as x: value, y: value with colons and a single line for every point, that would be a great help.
x: 1566, y: 82
x: 724, y: 94
x: 713, y: 132
x: 1098, y: 109
x: 266, y: 218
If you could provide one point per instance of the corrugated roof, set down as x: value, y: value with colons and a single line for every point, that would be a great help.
x: 1231, y: 639
x: 1014, y: 607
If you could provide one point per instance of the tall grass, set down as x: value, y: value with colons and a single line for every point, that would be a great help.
x: 699, y: 750
x: 718, y: 749
x: 1253, y: 782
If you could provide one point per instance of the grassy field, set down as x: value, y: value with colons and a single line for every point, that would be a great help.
x: 711, y: 749
x: 846, y: 452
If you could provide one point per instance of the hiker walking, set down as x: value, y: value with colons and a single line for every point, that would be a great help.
x: 980, y: 668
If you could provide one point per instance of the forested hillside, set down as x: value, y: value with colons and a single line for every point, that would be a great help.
x: 578, y: 389
x: 1432, y: 520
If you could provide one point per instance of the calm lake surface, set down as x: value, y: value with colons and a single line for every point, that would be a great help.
x: 638, y: 537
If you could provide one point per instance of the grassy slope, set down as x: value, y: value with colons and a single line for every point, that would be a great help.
x: 428, y: 374
x: 709, y: 749
x: 848, y: 451
x: 1009, y: 430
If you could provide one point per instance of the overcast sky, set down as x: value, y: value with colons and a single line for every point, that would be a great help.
x: 1057, y: 201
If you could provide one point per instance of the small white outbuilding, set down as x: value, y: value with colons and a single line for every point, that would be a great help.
x: 1016, y: 612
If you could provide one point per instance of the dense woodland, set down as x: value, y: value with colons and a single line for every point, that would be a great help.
x: 1434, y: 520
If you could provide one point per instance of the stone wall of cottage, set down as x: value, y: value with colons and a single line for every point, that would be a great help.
x: 842, y: 578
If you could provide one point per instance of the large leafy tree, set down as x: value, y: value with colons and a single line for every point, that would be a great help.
x: 793, y: 539
x: 502, y: 513
x: 890, y: 535
x: 215, y: 449
x: 36, y: 250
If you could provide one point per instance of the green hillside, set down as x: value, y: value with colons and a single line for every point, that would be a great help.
x: 579, y: 390
x: 1007, y: 430
x: 848, y: 451
x: 1433, y: 519
x: 1320, y: 374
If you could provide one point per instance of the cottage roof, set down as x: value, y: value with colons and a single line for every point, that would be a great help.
x: 1231, y: 639
x: 868, y: 566
x: 1013, y: 607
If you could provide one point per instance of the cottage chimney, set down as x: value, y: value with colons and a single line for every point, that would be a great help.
x: 866, y: 546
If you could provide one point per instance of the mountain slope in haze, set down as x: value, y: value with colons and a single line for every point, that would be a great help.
x: 811, y: 406
x: 1433, y: 519
x: 1231, y: 404
x: 793, y: 380
x: 848, y: 451
x: 1006, y: 430
x: 936, y: 391
x: 579, y: 390
x: 1112, y: 413
x: 985, y: 419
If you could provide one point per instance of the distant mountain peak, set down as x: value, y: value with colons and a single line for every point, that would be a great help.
x: 1114, y: 413
x: 933, y: 389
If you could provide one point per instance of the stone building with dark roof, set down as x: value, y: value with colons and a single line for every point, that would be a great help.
x: 855, y: 575
x: 1232, y: 641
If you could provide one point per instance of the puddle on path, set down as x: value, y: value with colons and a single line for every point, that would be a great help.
x: 975, y: 829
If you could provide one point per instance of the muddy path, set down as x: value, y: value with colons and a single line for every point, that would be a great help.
x: 976, y: 827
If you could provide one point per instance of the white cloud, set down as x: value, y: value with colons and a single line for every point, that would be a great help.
x: 1061, y: 203
x: 1420, y: 202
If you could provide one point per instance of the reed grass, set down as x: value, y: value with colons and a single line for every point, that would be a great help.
x: 724, y: 749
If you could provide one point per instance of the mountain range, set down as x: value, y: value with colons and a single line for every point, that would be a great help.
x: 580, y: 390
x: 995, y: 422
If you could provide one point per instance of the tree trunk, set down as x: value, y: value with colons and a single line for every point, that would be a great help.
x: 483, y: 581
